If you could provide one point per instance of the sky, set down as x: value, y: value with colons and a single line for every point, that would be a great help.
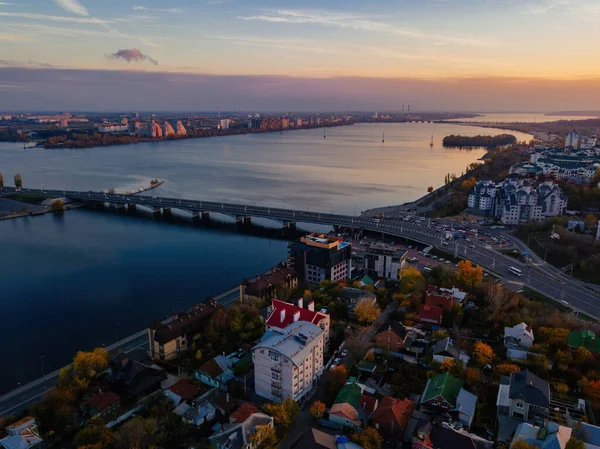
x: 439, y: 54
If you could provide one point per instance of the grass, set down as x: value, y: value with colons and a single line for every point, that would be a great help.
x: 537, y: 296
x: 30, y: 198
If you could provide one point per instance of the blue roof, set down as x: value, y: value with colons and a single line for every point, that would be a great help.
x: 343, y: 245
x: 590, y: 434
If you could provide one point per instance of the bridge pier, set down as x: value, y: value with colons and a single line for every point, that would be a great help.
x: 205, y: 216
x: 132, y: 207
x: 246, y: 220
x: 167, y: 211
x: 119, y: 206
x: 156, y: 211
x: 289, y: 225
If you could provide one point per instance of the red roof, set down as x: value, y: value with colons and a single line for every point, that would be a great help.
x: 368, y: 404
x: 242, y: 413
x: 102, y: 401
x: 392, y: 409
x: 431, y: 313
x: 184, y: 390
x: 274, y: 319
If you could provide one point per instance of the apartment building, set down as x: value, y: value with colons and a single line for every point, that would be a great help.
x: 284, y: 313
x: 288, y: 361
x: 317, y: 257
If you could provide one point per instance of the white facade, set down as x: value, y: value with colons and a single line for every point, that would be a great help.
x: 225, y: 123
x: 168, y: 129
x: 521, y: 334
x: 289, y: 361
x: 181, y: 129
x: 113, y: 128
x: 572, y: 141
x: 483, y: 197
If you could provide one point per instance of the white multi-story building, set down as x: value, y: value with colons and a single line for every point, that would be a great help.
x: 181, y: 131
x: 483, y: 198
x: 225, y: 123
x: 113, y: 128
x: 572, y: 141
x: 288, y: 361
x: 168, y: 129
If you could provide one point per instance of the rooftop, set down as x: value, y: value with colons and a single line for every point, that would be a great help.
x: 444, y: 385
x: 294, y: 341
x: 285, y: 310
x: 529, y: 387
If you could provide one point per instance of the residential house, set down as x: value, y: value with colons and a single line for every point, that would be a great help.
x: 284, y: 313
x: 317, y: 257
x: 391, y: 338
x: 431, y: 314
x: 549, y: 436
x: 457, y: 293
x: 237, y: 435
x: 171, y: 337
x: 466, y: 404
x: 288, y: 361
x: 444, y: 349
x: 588, y: 433
x: 316, y: 439
x: 196, y: 414
x: 441, y: 392
x: 182, y: 391
x: 584, y: 339
x: 525, y: 397
x: 216, y: 372
x: 439, y: 298
x: 264, y: 287
x: 345, y: 408
x: 133, y: 375
x: 392, y: 417
x: 102, y: 403
x: 430, y: 436
x: 520, y: 335
x: 353, y: 296
x: 23, y: 434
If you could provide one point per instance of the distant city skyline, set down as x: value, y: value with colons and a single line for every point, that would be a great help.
x: 534, y: 50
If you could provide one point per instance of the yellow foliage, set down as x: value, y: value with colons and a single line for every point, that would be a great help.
x: 468, y: 274
x: 483, y: 353
x: 367, y: 311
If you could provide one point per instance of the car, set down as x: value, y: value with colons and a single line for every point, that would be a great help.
x: 344, y: 353
x: 334, y: 366
x: 472, y: 246
x: 337, y: 361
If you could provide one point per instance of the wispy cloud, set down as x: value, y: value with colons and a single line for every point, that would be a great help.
x: 12, y: 37
x: 171, y: 10
x: 358, y: 22
x: 11, y: 63
x: 26, y: 15
x: 73, y: 6
x: 132, y: 55
x: 6, y: 4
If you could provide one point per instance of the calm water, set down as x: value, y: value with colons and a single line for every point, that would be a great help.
x: 523, y: 118
x: 66, y: 281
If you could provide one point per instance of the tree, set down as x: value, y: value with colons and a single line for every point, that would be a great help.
x: 369, y: 438
x: 555, y: 337
x: 506, y: 369
x: 483, y: 353
x: 284, y: 412
x: 591, y: 221
x: 317, y: 409
x: 18, y: 181
x: 574, y: 443
x: 472, y: 375
x: 137, y: 433
x: 57, y: 206
x: 336, y: 377
x: 523, y: 444
x: 501, y: 302
x: 199, y: 354
x: 590, y: 388
x: 264, y: 437
x: 367, y: 311
x: 468, y: 274
x: 439, y: 334
x: 411, y: 279
x: 94, y: 435
x: 561, y: 388
x: 87, y: 364
x: 1, y: 181
x: 582, y: 355
x: 429, y: 189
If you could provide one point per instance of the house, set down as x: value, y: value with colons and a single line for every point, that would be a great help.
x: 284, y: 313
x: 549, y: 436
x: 391, y: 338
x: 182, y: 391
x: 103, y: 403
x: 170, y: 338
x: 431, y: 314
x: 237, y: 435
x: 525, y: 397
x: 345, y: 408
x: 316, y: 439
x: 264, y: 287
x: 439, y: 298
x: 444, y: 349
x: 466, y: 404
x: 353, y: 296
x: 23, y: 434
x: 430, y: 436
x: 520, y: 335
x: 288, y: 361
x: 368, y: 406
x: 585, y: 338
x: 133, y: 375
x: 392, y: 417
x: 216, y: 372
x: 441, y: 392
x: 196, y: 414
x: 457, y: 293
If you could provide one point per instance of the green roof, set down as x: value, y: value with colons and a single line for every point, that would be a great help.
x: 350, y: 393
x: 367, y: 366
x: 585, y: 338
x: 444, y: 385
x: 367, y: 280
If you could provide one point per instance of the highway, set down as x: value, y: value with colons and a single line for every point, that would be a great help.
x: 538, y: 276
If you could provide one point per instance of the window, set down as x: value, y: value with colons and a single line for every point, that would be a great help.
x: 519, y: 404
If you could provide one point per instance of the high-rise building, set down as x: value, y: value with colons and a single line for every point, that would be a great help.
x: 256, y: 123
x: 572, y: 140
x: 317, y: 258
x: 225, y: 123
x: 289, y: 361
x: 298, y: 122
x: 155, y: 129
x: 168, y: 129
x: 285, y: 122
x: 181, y: 131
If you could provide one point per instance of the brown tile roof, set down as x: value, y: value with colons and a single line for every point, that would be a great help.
x: 242, y: 413
x: 368, y: 404
x: 184, y: 323
x: 392, y: 409
x: 102, y: 401
x: 185, y: 390
x: 212, y: 368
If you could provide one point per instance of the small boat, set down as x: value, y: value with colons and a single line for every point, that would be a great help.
x: 324, y: 134
x: 431, y: 143
x: 382, y: 137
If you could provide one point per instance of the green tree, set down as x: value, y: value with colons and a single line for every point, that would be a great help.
x: 18, y: 181
x: 94, y: 435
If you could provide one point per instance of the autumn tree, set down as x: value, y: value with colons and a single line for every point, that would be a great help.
x: 18, y: 181
x: 369, y: 438
x: 506, y: 369
x: 582, y: 355
x: 283, y: 413
x: 501, y: 302
x: 561, y: 388
x: 367, y: 311
x: 94, y: 435
x: 335, y: 378
x: 555, y: 337
x: 468, y: 274
x: 574, y: 443
x: 57, y: 206
x: 411, y: 279
x: 523, y: 444
x: 317, y: 409
x: 454, y: 366
x: 439, y: 334
x: 87, y: 364
x: 264, y: 437
x: 472, y: 375
x: 591, y: 221
x: 483, y: 353
x: 138, y: 433
x: 429, y: 189
x: 590, y: 388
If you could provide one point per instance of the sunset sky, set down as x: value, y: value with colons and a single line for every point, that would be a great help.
x: 439, y: 41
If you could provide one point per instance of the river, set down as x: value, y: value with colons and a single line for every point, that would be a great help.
x: 79, y: 280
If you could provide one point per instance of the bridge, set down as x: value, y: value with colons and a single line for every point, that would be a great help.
x: 568, y: 291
